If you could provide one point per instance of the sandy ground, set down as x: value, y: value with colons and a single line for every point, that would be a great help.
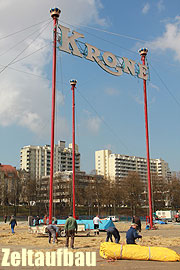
x: 167, y: 235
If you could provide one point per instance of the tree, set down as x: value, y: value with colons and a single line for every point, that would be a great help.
x: 174, y: 191
x: 13, y: 193
x: 159, y: 188
x: 30, y: 192
x: 132, y: 188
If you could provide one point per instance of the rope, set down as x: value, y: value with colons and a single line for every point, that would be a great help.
x: 101, y: 118
x: 149, y: 254
x: 121, y: 251
x: 108, y: 32
x: 23, y: 50
x: 170, y: 93
x: 113, y: 43
x: 12, y: 34
x: 31, y: 53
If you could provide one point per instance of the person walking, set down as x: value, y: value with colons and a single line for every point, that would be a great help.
x: 112, y: 231
x: 53, y: 232
x: 96, y: 222
x: 132, y: 234
x: 13, y: 223
x: 5, y: 219
x: 70, y: 229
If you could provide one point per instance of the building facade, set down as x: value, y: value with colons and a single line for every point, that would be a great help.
x: 8, y: 185
x: 36, y: 159
x: 62, y: 185
x: 115, y: 166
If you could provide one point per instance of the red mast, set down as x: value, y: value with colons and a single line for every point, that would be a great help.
x: 55, y: 12
x: 143, y: 53
x: 73, y: 85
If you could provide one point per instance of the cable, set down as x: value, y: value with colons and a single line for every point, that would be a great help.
x: 108, y: 32
x: 32, y: 74
x: 23, y: 50
x: 109, y: 128
x: 115, y: 44
x: 174, y: 98
x: 12, y: 34
x: 25, y: 72
x: 31, y: 54
x: 17, y: 44
x: 61, y: 70
x: 154, y: 59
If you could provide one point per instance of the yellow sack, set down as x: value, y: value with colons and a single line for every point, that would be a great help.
x: 110, y: 250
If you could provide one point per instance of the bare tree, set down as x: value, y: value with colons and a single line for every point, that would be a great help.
x: 30, y: 193
x: 132, y: 188
x: 159, y: 188
x: 174, y: 193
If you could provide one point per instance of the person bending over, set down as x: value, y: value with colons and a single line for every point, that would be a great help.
x: 112, y: 231
x: 132, y: 234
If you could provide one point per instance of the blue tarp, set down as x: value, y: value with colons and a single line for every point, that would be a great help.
x: 159, y: 222
x: 89, y: 223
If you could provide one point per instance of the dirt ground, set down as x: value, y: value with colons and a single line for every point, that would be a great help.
x: 167, y: 235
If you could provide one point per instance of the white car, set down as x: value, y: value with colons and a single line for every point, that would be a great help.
x: 113, y: 218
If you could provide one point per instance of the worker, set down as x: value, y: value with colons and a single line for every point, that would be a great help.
x: 132, y: 234
x: 96, y: 222
x: 70, y: 229
x: 5, y: 219
x: 137, y: 220
x: 53, y: 231
x: 112, y: 231
x: 13, y: 223
x: 45, y: 219
x: 37, y: 221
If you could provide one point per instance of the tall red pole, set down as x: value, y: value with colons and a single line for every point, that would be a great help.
x: 55, y: 12
x: 73, y: 85
x: 143, y: 53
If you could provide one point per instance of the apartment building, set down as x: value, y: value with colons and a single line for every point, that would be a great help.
x: 114, y: 166
x: 36, y: 159
x: 62, y: 186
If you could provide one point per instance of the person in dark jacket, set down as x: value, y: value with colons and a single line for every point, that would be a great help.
x: 70, y: 229
x: 112, y: 231
x: 132, y: 234
x: 137, y: 220
x: 37, y: 221
x: 5, y: 219
x: 12, y: 223
x: 53, y: 231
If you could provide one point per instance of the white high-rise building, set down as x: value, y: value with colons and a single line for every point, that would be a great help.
x: 114, y: 166
x: 36, y: 159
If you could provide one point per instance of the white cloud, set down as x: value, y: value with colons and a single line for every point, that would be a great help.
x: 138, y: 99
x: 93, y: 124
x: 169, y: 40
x: 154, y: 86
x: 108, y: 146
x: 112, y: 92
x: 146, y: 8
x: 25, y: 100
x: 160, y: 5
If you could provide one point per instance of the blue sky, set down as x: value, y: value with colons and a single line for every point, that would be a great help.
x: 109, y: 109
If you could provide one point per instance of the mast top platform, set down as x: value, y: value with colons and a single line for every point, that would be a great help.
x: 73, y: 82
x: 55, y: 12
x: 143, y: 51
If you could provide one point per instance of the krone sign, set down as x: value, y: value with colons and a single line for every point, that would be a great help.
x: 114, y: 65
